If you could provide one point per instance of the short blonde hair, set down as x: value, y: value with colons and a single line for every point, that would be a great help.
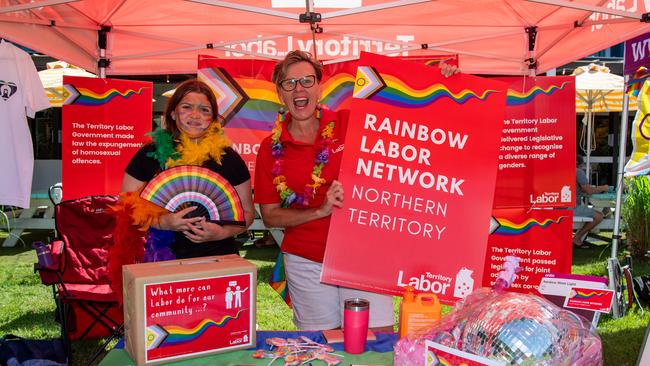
x: 280, y: 70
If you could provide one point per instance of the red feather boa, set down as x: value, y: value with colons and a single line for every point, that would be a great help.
x: 134, y: 215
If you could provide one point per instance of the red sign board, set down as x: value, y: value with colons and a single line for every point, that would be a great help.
x: 590, y: 299
x: 540, y: 238
x: 537, y: 154
x: 419, y: 170
x: 104, y: 124
x: 197, y: 316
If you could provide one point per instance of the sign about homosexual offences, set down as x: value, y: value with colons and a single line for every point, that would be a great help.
x: 541, y: 240
x: 104, y: 122
x: 419, y: 170
x: 537, y: 153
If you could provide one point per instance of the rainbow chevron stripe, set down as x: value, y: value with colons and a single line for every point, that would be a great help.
x: 178, y: 185
x: 508, y: 227
x: 245, y: 102
x: 397, y: 93
x: 179, y: 335
x: 278, y: 280
x: 337, y: 89
x: 87, y: 97
x: 253, y: 103
x: 581, y: 294
x: 517, y: 98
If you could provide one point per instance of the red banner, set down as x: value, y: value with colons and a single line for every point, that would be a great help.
x: 195, y: 316
x: 419, y: 170
x: 540, y: 238
x: 104, y: 124
x: 248, y: 99
x: 537, y: 154
x: 599, y: 300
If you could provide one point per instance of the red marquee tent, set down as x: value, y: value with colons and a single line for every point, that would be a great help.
x: 513, y: 37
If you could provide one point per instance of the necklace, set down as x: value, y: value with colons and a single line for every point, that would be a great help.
x: 287, y: 195
x: 185, y: 152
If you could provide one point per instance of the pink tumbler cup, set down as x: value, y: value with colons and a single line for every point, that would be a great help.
x: 355, y: 325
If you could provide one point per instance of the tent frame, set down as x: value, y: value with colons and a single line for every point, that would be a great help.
x: 528, y: 62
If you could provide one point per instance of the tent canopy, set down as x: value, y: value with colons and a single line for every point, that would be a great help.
x: 514, y: 37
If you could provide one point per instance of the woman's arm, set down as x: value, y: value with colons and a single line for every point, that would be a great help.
x: 130, y: 184
x: 274, y: 215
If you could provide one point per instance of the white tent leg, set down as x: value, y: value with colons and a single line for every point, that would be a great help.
x: 622, y: 146
x: 590, y: 116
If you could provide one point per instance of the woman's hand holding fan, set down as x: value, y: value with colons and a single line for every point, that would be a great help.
x: 204, y: 231
x: 176, y: 221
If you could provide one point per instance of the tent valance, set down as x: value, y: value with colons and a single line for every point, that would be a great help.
x: 130, y: 37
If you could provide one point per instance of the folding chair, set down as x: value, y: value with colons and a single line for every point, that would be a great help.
x: 87, y: 308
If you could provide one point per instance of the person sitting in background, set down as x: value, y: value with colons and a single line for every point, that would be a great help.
x: 583, y: 190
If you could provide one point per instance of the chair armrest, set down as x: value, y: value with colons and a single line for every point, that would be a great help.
x: 49, y: 272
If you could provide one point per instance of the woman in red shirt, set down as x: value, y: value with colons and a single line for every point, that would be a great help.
x: 295, y: 185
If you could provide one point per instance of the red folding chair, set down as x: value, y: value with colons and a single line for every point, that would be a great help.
x: 87, y: 308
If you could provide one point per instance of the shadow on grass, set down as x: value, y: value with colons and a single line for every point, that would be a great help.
x: 25, y: 242
x: 267, y: 254
x: 621, y: 348
x: 264, y: 274
x: 9, y: 252
x: 83, y: 350
x: 33, y: 323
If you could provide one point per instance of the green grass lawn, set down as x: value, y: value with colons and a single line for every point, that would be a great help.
x: 27, y: 308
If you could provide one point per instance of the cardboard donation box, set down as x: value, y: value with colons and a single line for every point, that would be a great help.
x: 188, y: 308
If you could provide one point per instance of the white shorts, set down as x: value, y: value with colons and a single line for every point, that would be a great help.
x: 318, y: 306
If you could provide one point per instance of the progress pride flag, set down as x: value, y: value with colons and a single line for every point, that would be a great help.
x: 419, y: 170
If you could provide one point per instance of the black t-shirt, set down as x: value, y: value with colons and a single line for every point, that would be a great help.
x: 232, y: 168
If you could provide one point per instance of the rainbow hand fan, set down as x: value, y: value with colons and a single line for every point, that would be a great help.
x: 183, y: 186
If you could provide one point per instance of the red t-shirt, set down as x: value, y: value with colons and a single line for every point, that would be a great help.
x: 306, y: 240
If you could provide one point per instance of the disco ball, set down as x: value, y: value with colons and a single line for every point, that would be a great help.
x: 521, y: 330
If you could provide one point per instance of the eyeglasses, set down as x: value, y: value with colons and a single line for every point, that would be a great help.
x: 306, y: 81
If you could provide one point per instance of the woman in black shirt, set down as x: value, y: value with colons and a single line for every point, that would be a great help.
x: 192, y: 135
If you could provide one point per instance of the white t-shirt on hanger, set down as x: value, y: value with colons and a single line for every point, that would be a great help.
x: 21, y: 95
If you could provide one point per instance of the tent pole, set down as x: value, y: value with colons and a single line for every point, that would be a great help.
x: 619, y: 176
x: 102, y: 43
x: 622, y: 147
x: 590, y: 114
